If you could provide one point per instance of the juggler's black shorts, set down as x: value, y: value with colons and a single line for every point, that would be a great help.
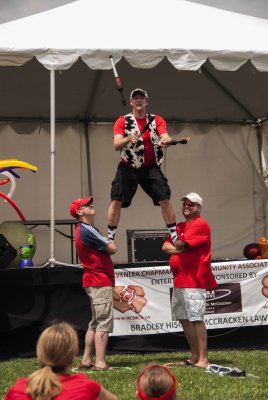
x: 150, y: 178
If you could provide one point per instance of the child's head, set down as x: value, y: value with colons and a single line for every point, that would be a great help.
x: 57, y: 346
x: 156, y: 382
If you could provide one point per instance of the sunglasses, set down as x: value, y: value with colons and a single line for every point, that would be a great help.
x: 87, y: 205
x: 190, y: 205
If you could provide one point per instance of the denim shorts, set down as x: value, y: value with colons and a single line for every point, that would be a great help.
x: 101, y: 299
x: 188, y: 304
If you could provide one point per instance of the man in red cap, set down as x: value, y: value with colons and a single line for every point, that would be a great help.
x: 94, y: 251
x: 190, y: 264
x: 140, y: 137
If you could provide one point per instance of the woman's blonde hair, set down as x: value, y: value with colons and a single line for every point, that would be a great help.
x: 156, y: 381
x: 56, y: 348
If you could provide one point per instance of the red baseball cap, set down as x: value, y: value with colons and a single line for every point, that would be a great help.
x: 77, y: 203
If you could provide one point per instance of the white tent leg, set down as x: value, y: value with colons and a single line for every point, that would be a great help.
x: 52, y: 168
x: 52, y: 261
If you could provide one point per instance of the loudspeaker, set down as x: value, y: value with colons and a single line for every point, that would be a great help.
x: 7, y: 252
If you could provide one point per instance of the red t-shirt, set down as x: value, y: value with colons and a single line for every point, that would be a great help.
x: 161, y: 127
x: 90, y: 246
x: 75, y: 387
x: 192, y: 267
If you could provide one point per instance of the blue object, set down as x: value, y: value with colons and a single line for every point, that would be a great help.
x: 26, y: 253
x: 27, y: 262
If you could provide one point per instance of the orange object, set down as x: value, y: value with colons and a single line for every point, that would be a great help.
x: 264, y: 247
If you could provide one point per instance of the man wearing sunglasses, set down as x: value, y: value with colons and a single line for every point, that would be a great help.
x: 190, y: 263
x: 94, y: 251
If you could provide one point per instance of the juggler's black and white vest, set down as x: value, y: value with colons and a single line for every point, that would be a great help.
x: 133, y: 154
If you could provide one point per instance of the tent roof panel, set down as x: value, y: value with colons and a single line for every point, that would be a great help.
x: 195, y: 61
x: 185, y: 32
x: 83, y: 93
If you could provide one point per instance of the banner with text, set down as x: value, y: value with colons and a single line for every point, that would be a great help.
x: 142, y: 298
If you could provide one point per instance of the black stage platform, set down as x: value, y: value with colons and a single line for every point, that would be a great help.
x: 32, y: 298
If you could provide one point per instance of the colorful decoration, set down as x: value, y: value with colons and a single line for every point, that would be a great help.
x: 18, y: 235
x: 7, y: 168
x: 13, y: 163
x: 252, y: 251
x: 27, y: 252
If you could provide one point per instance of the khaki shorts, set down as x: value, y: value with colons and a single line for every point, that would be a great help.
x: 188, y: 304
x: 101, y: 299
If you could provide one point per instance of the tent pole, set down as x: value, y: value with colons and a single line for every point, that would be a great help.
x: 259, y: 137
x: 88, y: 158
x: 52, y: 168
x: 109, y: 120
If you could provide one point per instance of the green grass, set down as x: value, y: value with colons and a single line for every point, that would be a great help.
x: 194, y: 383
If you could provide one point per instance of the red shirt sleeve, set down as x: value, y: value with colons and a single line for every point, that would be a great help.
x: 119, y: 126
x: 161, y: 125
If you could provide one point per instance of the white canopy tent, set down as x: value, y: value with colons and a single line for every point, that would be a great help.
x: 202, y: 67
x: 186, y: 33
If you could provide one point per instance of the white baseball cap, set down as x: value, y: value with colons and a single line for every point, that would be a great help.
x: 193, y: 197
x: 138, y: 90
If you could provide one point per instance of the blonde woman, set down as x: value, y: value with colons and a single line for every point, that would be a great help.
x: 156, y: 382
x: 56, y: 349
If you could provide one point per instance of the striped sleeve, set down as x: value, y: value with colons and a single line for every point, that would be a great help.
x: 92, y: 237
